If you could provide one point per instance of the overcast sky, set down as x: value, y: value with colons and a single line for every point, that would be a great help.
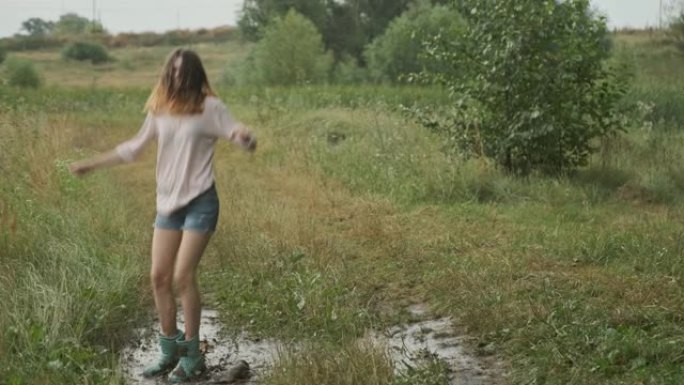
x: 160, y: 15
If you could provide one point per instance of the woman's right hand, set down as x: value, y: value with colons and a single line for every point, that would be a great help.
x: 80, y: 168
x: 107, y: 159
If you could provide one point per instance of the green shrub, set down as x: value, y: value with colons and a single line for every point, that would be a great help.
x: 291, y: 52
x: 241, y: 72
x: 84, y: 51
x: 536, y: 90
x: 22, y: 73
x: 348, y: 71
x: 3, y: 54
x: 400, y: 50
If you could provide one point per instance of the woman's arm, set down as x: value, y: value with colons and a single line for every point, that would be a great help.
x: 107, y: 159
x: 124, y: 152
x: 226, y: 127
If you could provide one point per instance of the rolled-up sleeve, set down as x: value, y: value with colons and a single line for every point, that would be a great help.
x: 130, y: 149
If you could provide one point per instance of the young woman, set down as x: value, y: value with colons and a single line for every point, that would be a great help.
x: 186, y: 118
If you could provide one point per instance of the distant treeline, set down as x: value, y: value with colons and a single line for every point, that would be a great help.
x: 143, y: 39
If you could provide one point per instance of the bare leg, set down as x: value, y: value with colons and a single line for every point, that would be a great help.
x: 185, y: 278
x: 165, y: 245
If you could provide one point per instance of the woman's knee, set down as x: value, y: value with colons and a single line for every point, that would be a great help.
x: 161, y: 280
x: 183, y: 280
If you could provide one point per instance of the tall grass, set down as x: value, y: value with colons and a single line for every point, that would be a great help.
x: 70, y: 261
x: 352, y: 364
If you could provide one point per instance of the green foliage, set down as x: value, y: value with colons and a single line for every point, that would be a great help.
x: 536, y: 91
x: 36, y: 26
x: 343, y: 34
x: 257, y: 14
x: 400, y: 50
x: 85, y: 51
x: 355, y: 23
x: 69, y: 283
x: 432, y: 371
x: 347, y: 26
x: 3, y: 54
x: 348, y: 71
x: 73, y: 24
x: 326, y: 364
x: 676, y: 31
x: 291, y: 52
x: 29, y: 42
x: 22, y: 73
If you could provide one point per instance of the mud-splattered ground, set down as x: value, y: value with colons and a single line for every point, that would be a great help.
x: 408, y: 346
x: 411, y: 345
x: 223, y: 355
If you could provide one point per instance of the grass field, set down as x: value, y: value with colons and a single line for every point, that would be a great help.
x: 347, y: 214
x: 131, y: 67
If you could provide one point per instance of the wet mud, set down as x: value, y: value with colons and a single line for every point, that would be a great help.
x: 245, y: 360
x: 413, y: 345
x: 225, y: 356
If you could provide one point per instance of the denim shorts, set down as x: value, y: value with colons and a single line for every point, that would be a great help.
x: 200, y: 214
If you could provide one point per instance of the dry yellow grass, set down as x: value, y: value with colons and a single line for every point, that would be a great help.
x: 132, y: 67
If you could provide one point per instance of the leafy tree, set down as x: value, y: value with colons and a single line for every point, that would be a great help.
x: 256, y: 14
x: 536, y: 88
x: 73, y: 24
x: 346, y: 25
x: 375, y: 15
x: 343, y: 34
x: 401, y: 50
x: 36, y: 26
x: 291, y: 52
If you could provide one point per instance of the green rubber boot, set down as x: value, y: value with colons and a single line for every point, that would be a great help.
x: 191, y: 364
x: 169, y: 355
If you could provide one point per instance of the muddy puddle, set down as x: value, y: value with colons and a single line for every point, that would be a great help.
x: 412, y: 345
x: 223, y: 355
x: 408, y: 346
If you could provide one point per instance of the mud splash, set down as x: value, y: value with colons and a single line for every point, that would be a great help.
x: 223, y: 355
x: 408, y: 346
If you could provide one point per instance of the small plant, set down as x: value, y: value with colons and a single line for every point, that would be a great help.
x: 433, y: 371
x: 84, y: 51
x: 22, y: 73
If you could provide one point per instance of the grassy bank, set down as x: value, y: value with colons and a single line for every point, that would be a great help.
x: 70, y: 250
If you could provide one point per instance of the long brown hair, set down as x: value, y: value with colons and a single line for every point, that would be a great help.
x: 183, y: 93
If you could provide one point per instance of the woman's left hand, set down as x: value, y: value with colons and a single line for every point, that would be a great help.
x: 246, y: 139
